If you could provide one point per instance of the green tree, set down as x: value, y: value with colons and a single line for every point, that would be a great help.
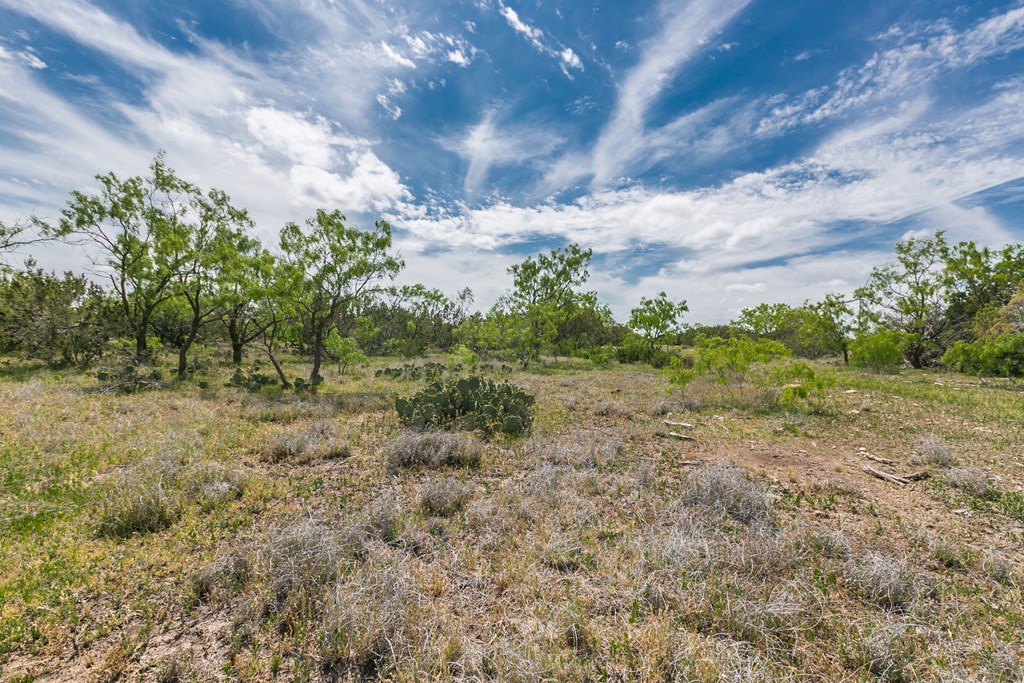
x: 909, y: 296
x: 334, y: 269
x: 655, y: 319
x: 139, y: 227
x: 543, y: 294
x: 61, y: 320
x: 778, y: 322
x: 979, y: 281
x: 826, y: 326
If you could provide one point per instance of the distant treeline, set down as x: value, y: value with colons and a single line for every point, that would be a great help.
x: 178, y: 266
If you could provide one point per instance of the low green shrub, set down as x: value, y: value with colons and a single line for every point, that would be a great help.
x: 1001, y: 356
x: 881, y: 350
x: 472, y: 403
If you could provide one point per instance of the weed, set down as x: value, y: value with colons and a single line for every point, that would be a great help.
x: 935, y: 450
x: 141, y: 499
x: 613, y: 409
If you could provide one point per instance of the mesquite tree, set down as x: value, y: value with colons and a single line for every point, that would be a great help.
x: 333, y: 269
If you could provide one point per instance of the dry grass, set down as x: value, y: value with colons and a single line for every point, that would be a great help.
x: 591, y: 550
x: 725, y: 489
x: 432, y: 450
x: 936, y: 451
x: 973, y: 481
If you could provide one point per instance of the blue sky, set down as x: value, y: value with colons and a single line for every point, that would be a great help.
x: 728, y: 152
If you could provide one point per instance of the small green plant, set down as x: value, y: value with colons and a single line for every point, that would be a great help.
x: 472, y: 403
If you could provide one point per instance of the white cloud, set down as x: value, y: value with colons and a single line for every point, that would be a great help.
x: 397, y: 58
x: 568, y: 60
x: 685, y: 31
x: 457, y: 57
x: 486, y: 145
x: 903, y: 70
x: 393, y: 110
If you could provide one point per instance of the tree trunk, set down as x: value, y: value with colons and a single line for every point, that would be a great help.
x: 318, y: 353
x: 141, y: 350
x: 193, y: 333
x: 236, y: 341
x: 280, y: 373
x: 846, y: 356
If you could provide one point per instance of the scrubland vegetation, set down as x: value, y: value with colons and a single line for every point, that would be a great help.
x: 228, y: 464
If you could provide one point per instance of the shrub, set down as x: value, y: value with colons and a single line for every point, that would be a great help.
x: 432, y: 450
x: 141, y: 500
x: 881, y: 350
x: 935, y: 450
x: 727, y: 361
x: 1001, y: 356
x: 473, y: 403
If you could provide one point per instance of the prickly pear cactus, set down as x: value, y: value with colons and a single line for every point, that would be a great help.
x: 470, y: 403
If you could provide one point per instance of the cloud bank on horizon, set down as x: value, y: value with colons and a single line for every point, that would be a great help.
x: 728, y: 152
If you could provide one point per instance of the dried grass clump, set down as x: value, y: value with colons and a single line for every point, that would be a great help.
x: 889, y: 653
x: 973, y: 481
x: 725, y: 489
x: 175, y: 668
x: 936, y: 451
x: 296, y: 563
x: 612, y: 409
x: 316, y: 439
x: 229, y: 572
x: 213, y: 484
x: 690, y: 547
x: 143, y: 499
x: 153, y: 495
x: 374, y: 623
x: 382, y: 518
x: 432, y: 450
x: 883, y: 581
x: 582, y: 449
x: 444, y: 497
x: 998, y: 567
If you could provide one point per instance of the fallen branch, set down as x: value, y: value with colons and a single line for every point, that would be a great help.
x: 917, y: 476
x: 884, y: 461
x: 684, y: 437
x: 684, y: 425
x: 892, y: 478
x: 688, y: 462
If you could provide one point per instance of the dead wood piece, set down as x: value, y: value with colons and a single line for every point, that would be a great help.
x: 892, y: 478
x: 917, y: 476
x: 884, y: 461
x: 689, y: 462
x: 684, y: 425
x: 684, y: 437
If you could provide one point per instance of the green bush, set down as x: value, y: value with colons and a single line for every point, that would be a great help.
x: 636, y: 349
x: 880, y: 350
x: 727, y: 361
x: 472, y: 403
x: 1000, y: 356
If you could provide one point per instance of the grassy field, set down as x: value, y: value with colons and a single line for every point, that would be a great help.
x: 189, y: 534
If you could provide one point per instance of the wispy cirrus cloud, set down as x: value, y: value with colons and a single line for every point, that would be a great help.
x: 907, y: 68
x: 568, y: 60
x: 686, y: 30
